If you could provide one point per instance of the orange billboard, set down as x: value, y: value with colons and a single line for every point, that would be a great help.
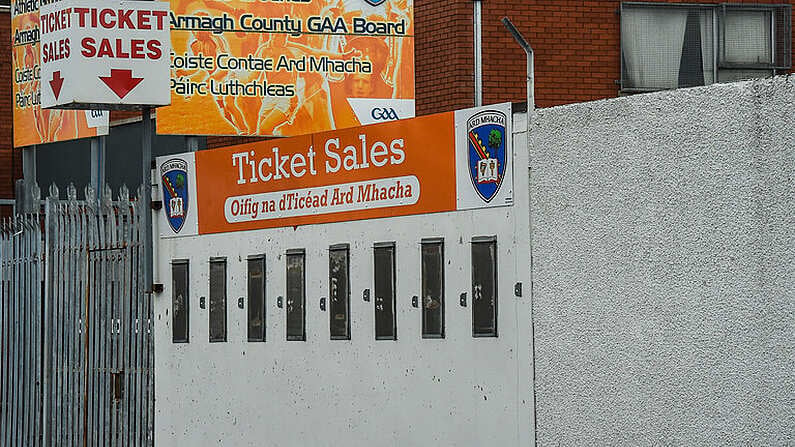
x: 32, y: 124
x: 345, y: 175
x: 242, y: 67
x: 445, y: 162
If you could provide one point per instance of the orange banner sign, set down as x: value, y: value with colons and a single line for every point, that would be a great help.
x: 32, y: 124
x: 445, y: 162
x: 288, y: 68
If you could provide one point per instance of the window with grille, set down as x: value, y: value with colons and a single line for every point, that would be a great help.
x: 432, y: 287
x: 218, y: 299
x: 256, y: 298
x: 296, y: 294
x: 385, y: 320
x: 665, y: 46
x: 179, y: 301
x: 339, y: 292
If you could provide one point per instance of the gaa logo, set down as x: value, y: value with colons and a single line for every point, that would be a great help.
x: 375, y: 2
x: 174, y: 176
x: 486, y: 152
x: 384, y: 114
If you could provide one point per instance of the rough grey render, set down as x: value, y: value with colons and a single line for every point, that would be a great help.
x: 664, y: 268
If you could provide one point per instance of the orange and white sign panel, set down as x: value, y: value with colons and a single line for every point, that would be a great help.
x: 288, y: 68
x: 32, y: 124
x: 391, y: 169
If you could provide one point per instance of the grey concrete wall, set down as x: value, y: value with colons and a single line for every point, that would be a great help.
x: 664, y: 268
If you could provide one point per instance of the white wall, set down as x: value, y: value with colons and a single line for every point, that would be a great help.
x: 458, y: 390
x: 664, y: 268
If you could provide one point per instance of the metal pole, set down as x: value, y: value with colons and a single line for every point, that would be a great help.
x: 98, y: 151
x: 478, y: 44
x: 146, y: 176
x: 530, y: 111
x: 193, y: 143
x: 530, y: 66
x: 29, y: 164
x: 29, y: 177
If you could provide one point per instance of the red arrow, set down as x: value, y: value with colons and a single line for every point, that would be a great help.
x: 56, y: 83
x: 121, y: 81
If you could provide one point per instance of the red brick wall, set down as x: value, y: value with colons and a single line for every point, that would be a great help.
x: 10, y: 161
x: 443, y: 55
x: 576, y: 45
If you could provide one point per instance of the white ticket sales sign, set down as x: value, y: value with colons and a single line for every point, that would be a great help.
x: 104, y: 55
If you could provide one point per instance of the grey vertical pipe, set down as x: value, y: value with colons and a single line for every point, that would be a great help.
x: 146, y: 172
x: 29, y: 175
x: 478, y: 45
x: 530, y: 66
x: 530, y: 111
x: 98, y: 161
x: 146, y: 214
x: 193, y: 143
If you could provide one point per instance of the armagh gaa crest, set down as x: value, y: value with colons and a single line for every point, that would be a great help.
x: 174, y: 176
x: 486, y: 150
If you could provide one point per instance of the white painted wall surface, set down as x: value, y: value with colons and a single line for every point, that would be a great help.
x: 664, y: 268
x: 458, y: 390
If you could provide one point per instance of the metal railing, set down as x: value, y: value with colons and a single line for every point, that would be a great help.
x: 76, y: 324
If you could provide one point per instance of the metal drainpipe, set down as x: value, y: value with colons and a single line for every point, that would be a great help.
x: 530, y: 111
x: 478, y: 36
x: 530, y: 66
